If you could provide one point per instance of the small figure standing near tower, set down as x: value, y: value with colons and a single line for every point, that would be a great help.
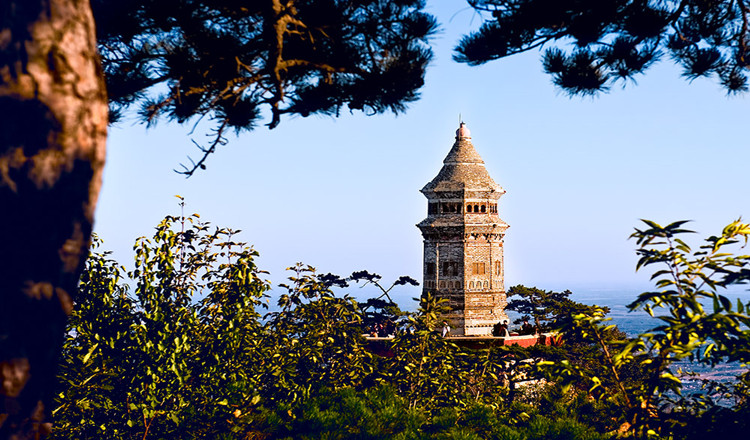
x: 463, y: 241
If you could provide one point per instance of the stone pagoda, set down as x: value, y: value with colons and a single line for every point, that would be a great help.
x: 463, y: 241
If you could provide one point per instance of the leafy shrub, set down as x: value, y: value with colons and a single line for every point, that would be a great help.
x: 177, y: 348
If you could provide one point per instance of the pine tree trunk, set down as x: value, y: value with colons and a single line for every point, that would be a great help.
x: 53, y: 121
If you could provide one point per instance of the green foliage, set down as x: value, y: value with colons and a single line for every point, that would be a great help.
x: 688, y: 279
x: 98, y: 336
x: 424, y: 366
x: 561, y: 429
x: 381, y: 413
x: 379, y: 315
x: 176, y: 348
x: 315, y: 341
x: 235, y: 62
x: 548, y: 309
x: 376, y: 413
x: 712, y: 419
x: 159, y: 361
x: 641, y: 374
x: 613, y: 41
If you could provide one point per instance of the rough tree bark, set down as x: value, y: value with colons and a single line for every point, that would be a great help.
x: 53, y: 122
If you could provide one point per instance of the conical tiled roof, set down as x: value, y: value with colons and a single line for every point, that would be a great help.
x: 463, y: 168
x: 463, y: 152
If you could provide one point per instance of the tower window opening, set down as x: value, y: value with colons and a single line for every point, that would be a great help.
x: 478, y: 268
x: 468, y: 208
x: 486, y: 284
x: 442, y: 284
x: 450, y: 269
x: 483, y: 208
x: 498, y: 268
x: 451, y: 208
x: 476, y: 208
x: 471, y: 285
x: 429, y: 268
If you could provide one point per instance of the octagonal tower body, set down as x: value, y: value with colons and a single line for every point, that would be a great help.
x: 463, y: 241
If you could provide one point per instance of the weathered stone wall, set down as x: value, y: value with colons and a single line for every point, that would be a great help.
x: 465, y: 265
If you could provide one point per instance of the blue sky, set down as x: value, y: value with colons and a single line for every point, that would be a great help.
x: 343, y: 194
